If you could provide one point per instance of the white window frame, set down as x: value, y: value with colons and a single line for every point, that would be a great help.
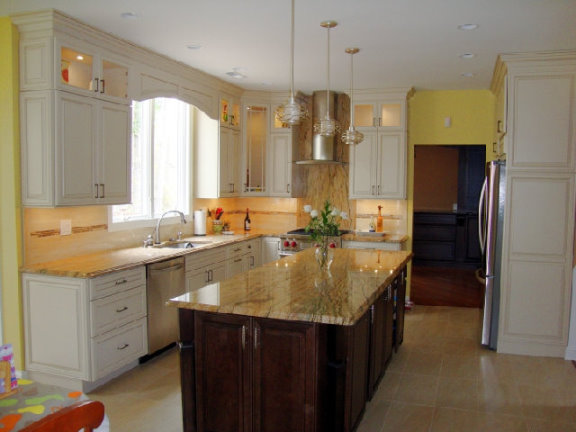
x: 185, y: 155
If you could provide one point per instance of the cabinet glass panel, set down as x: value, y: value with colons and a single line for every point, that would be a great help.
x: 115, y: 79
x: 75, y: 68
x: 256, y: 131
x: 364, y: 115
x: 390, y: 115
x: 234, y: 114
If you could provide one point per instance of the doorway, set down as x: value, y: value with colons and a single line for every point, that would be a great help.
x: 447, y: 184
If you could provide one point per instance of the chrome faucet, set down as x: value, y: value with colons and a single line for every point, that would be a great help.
x: 182, y: 220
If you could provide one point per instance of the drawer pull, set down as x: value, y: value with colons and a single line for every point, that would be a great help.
x: 122, y: 309
x: 122, y: 281
x: 121, y: 347
x: 238, y: 260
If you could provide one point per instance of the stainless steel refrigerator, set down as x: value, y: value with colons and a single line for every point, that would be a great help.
x: 490, y: 227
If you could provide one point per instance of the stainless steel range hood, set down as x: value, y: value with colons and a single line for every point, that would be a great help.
x: 314, y: 149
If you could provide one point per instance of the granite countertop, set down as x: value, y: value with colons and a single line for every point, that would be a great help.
x: 294, y: 288
x: 100, y: 263
x: 103, y: 262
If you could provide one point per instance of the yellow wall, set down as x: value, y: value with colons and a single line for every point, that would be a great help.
x: 472, y: 116
x: 10, y: 191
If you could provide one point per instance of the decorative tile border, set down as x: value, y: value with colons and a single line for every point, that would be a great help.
x: 75, y: 230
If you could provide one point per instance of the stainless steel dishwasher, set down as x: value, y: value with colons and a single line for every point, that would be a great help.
x: 164, y: 280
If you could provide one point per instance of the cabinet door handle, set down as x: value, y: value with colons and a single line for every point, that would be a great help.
x: 103, y: 90
x: 238, y: 260
x: 103, y: 191
x: 373, y: 121
x: 121, y: 282
x: 121, y: 347
x: 243, y: 337
x: 207, y: 278
x: 122, y: 309
x: 378, y: 189
x: 372, y: 314
x: 288, y: 188
x: 379, y: 121
x: 96, y: 187
x: 256, y: 332
x: 211, y: 275
x: 96, y: 85
x: 373, y: 189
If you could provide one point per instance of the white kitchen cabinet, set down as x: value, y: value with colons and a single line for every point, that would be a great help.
x: 280, y: 164
x: 378, y: 166
x: 229, y: 162
x: 374, y: 113
x: 255, y: 174
x: 73, y: 65
x: 537, y: 253
x: 84, y: 330
x: 270, y: 249
x: 203, y: 268
x: 75, y: 150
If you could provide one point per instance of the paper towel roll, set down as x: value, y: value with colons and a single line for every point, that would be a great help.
x: 200, y: 222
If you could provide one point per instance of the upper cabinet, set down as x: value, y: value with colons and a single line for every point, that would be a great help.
x: 378, y: 164
x: 65, y: 63
x: 229, y: 112
x: 255, y: 121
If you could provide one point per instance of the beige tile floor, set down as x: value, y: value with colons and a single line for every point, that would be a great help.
x: 440, y: 380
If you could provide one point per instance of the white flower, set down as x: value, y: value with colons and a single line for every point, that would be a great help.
x: 313, y: 213
x: 344, y: 215
x: 307, y: 208
x: 335, y: 212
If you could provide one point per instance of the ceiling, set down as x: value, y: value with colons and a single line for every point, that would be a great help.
x: 403, y: 42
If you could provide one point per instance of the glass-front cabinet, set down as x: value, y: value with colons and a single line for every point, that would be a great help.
x: 256, y: 118
x: 87, y: 70
x: 229, y: 112
x: 374, y: 114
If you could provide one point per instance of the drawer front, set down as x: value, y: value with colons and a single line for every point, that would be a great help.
x: 116, y: 310
x: 115, y: 349
x: 237, y: 250
x: 197, y: 260
x: 116, y: 282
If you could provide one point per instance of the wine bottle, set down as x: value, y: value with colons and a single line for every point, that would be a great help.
x: 247, y: 221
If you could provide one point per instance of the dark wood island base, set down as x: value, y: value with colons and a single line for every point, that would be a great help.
x: 242, y: 373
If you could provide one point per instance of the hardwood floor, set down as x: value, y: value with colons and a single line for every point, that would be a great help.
x: 442, y: 286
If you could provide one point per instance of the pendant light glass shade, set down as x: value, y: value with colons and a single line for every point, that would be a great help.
x: 327, y: 126
x: 352, y: 136
x: 291, y: 112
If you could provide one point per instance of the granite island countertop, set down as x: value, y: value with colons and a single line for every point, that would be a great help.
x: 99, y: 263
x: 294, y: 288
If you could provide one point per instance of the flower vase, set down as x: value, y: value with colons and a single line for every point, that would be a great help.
x: 324, y: 256
x: 217, y: 226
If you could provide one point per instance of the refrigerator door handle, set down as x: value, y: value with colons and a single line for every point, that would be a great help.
x: 482, y: 217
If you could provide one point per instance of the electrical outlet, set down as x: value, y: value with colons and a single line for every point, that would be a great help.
x: 65, y: 227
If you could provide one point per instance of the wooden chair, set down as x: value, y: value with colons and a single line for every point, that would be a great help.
x: 81, y: 416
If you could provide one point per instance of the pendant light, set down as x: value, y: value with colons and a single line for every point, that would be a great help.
x: 352, y: 136
x: 327, y: 126
x: 291, y: 113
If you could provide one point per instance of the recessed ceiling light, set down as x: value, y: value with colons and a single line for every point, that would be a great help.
x: 79, y: 57
x: 467, y: 56
x: 194, y: 46
x: 235, y: 73
x: 468, y: 74
x: 468, y: 26
x: 129, y: 15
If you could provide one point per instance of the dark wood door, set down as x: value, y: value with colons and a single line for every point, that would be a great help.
x: 284, y: 376
x: 389, y: 325
x: 400, y: 309
x: 358, y: 370
x: 223, y: 372
x: 377, y: 343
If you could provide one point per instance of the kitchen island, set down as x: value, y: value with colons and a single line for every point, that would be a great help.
x: 286, y: 347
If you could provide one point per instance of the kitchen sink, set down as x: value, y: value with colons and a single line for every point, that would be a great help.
x: 183, y: 244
